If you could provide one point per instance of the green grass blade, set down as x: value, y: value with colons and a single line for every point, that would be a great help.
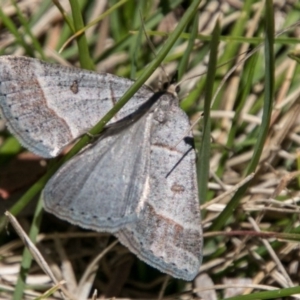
x: 269, y: 294
x: 34, y: 41
x: 183, y: 65
x: 268, y: 101
x: 204, y: 155
x: 10, y: 25
x: 83, y: 49
x: 26, y: 257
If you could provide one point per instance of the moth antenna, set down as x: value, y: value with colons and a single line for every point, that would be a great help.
x: 200, y: 74
x: 227, y: 75
x: 150, y: 44
x: 179, y: 161
x: 189, y: 78
x: 232, y: 70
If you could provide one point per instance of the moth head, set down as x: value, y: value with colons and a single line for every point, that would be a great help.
x: 171, y: 88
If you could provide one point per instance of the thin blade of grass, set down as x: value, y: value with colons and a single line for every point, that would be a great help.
x: 64, y: 14
x: 127, y: 40
x: 267, y: 110
x: 94, y: 22
x: 10, y: 25
x: 183, y: 64
x: 137, y: 41
x: 34, y: 41
x: 83, y: 49
x: 26, y: 257
x: 204, y: 156
x: 276, y: 294
x: 245, y: 88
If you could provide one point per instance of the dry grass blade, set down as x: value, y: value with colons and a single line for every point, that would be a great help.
x: 33, y: 250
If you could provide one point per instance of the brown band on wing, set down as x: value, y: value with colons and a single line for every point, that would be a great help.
x: 159, y: 145
x: 184, y: 238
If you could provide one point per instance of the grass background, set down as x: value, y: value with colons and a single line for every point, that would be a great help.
x: 247, y: 99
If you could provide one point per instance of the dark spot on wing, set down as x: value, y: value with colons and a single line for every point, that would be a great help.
x: 177, y: 188
x: 74, y: 87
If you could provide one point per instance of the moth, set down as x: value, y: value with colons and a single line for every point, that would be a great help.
x: 125, y: 182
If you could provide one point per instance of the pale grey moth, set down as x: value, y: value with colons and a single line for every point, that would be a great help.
x: 122, y: 182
